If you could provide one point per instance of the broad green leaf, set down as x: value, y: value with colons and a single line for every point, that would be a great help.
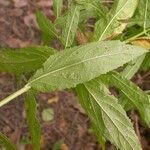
x: 118, y: 127
x: 82, y: 64
x: 142, y: 14
x: 93, y: 111
x: 115, y: 20
x: 146, y: 63
x: 71, y: 26
x: 5, y: 142
x: 33, y: 123
x: 57, y: 6
x: 132, y: 67
x: 46, y: 26
x: 24, y: 60
x: 134, y: 95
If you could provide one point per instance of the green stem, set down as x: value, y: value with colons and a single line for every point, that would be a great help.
x: 14, y: 95
x: 137, y: 35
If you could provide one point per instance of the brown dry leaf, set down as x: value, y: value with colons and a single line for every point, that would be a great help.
x: 83, y: 38
x: 64, y: 147
x: 143, y: 42
x: 53, y: 99
x: 20, y: 3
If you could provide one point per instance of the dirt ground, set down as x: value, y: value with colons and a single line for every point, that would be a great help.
x: 18, y: 28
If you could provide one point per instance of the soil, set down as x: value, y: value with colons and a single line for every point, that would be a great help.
x: 18, y: 28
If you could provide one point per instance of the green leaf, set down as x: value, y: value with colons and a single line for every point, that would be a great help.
x: 93, y: 6
x: 128, y: 73
x: 46, y: 26
x: 71, y: 26
x: 132, y: 67
x: 118, y: 128
x: 60, y: 22
x: 146, y: 63
x: 82, y: 64
x: 134, y: 95
x: 5, y: 142
x: 113, y: 22
x: 142, y: 14
x: 93, y: 111
x: 24, y: 60
x: 113, y: 30
x: 125, y: 9
x: 57, y: 5
x: 33, y: 123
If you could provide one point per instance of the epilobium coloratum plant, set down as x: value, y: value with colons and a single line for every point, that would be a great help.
x: 93, y: 50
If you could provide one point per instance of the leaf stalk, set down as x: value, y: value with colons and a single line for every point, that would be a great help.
x: 14, y: 95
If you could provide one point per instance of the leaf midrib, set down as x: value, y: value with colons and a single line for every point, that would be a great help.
x: 95, y: 114
x: 108, y: 117
x: 129, y: 87
x: 78, y: 63
x: 112, y: 20
x: 66, y: 45
x: 145, y: 15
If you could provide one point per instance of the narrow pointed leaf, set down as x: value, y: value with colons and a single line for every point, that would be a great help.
x: 71, y: 26
x: 33, y: 123
x: 133, y: 67
x: 118, y: 127
x: 46, y: 26
x: 24, y: 60
x: 142, y: 14
x: 134, y: 95
x: 57, y: 6
x: 125, y: 9
x: 93, y: 111
x: 95, y: 5
x: 113, y: 22
x: 5, y: 142
x: 80, y: 61
x: 146, y: 63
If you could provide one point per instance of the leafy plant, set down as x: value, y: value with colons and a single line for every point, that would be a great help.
x: 88, y: 68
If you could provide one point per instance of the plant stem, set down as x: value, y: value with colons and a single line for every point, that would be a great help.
x: 137, y: 35
x: 14, y: 95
